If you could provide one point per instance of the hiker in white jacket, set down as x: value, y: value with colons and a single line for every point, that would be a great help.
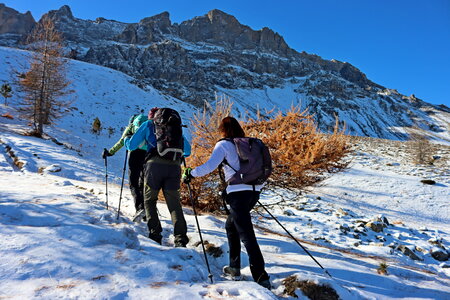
x: 241, y: 198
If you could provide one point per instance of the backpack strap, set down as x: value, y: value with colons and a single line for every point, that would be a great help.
x: 225, y: 162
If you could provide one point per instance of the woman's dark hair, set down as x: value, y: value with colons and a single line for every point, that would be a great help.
x: 230, y: 128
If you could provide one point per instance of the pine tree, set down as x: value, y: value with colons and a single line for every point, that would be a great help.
x: 6, y: 92
x: 45, y: 82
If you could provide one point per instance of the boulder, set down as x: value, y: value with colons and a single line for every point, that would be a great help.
x: 428, y: 181
x: 408, y: 252
x: 439, y: 254
x: 375, y: 226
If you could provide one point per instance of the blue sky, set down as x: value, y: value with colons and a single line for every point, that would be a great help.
x: 401, y: 44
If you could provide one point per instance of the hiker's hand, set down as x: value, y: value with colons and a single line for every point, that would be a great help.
x: 106, y: 153
x: 187, y: 176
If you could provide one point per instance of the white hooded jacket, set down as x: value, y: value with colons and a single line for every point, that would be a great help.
x: 224, y: 150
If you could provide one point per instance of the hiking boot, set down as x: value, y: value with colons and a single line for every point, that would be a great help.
x: 181, y: 241
x: 234, y: 273
x: 180, y: 244
x: 265, y: 283
x: 157, y: 239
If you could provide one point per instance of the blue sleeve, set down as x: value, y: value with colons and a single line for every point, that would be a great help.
x: 138, y: 137
x: 186, y: 147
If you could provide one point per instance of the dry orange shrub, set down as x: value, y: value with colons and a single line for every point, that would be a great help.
x: 301, y: 155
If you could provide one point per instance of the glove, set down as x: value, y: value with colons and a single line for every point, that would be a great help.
x: 129, y: 134
x: 106, y: 153
x: 187, y: 177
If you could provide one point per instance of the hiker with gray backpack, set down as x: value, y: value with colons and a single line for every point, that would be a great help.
x: 166, y: 147
x: 135, y: 161
x: 246, y: 164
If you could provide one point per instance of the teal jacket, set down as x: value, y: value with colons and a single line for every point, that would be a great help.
x: 129, y: 130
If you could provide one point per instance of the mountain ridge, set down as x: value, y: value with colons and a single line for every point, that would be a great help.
x: 215, y: 54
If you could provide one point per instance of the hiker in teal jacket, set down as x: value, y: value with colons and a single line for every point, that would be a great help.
x: 136, y: 160
x: 160, y: 173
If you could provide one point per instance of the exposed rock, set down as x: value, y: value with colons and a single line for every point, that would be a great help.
x: 13, y: 22
x: 382, y: 219
x: 381, y: 238
x: 417, y: 248
x: 375, y: 226
x: 148, y: 30
x: 215, y: 53
x: 289, y: 212
x: 408, y: 252
x: 428, y: 181
x: 341, y: 212
x: 344, y: 228
x: 436, y: 242
x: 80, y: 33
x: 439, y: 254
x: 312, y: 209
x: 393, y: 245
x: 53, y: 168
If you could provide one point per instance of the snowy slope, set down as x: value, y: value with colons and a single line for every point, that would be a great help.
x: 60, y: 241
x: 364, y: 119
x: 100, y: 92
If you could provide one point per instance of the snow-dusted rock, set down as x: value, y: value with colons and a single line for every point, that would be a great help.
x: 439, y: 254
x: 408, y: 252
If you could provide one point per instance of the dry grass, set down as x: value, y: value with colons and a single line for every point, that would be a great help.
x: 382, y: 269
x: 301, y: 155
x: 310, y: 289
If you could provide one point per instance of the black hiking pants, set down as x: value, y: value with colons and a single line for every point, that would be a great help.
x: 239, y: 228
x: 166, y: 175
x: 136, y: 164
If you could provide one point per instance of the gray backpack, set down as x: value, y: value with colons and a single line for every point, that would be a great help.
x: 254, y: 159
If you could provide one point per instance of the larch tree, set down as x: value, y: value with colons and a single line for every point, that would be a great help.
x: 45, y: 84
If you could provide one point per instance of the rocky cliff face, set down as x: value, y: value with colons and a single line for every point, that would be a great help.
x: 214, y: 53
x: 11, y: 21
x: 14, y: 25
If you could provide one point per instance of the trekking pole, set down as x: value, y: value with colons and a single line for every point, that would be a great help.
x: 198, y: 227
x: 123, y: 178
x: 106, y: 176
x: 325, y: 270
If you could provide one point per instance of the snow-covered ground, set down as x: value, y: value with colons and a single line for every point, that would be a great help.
x: 60, y: 241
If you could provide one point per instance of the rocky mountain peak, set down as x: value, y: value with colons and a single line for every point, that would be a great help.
x: 160, y: 21
x: 215, y: 53
x: 13, y: 22
x: 218, y: 17
x: 148, y: 30
x: 220, y: 28
x: 63, y: 11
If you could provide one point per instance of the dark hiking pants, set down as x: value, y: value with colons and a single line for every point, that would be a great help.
x: 239, y: 228
x: 136, y: 164
x: 164, y: 174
